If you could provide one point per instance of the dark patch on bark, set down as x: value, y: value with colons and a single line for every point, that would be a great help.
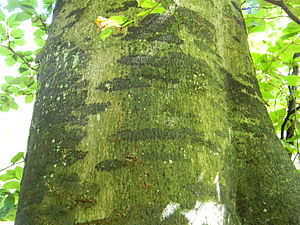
x: 236, y: 39
x: 237, y: 7
x: 197, y: 25
x: 73, y: 156
x: 163, y: 27
x: 205, y: 47
x: 175, y: 62
x: 168, y: 38
x: 241, y: 101
x: 110, y: 165
x: 77, y: 13
x: 62, y: 92
x: 96, y: 108
x: 160, y: 78
x: 119, y: 84
x: 59, y: 4
x: 87, y: 39
x: 126, y: 6
x: 240, y: 22
x: 152, y: 133
x: 69, y: 25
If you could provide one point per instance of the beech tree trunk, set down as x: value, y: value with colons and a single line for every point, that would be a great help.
x: 162, y: 125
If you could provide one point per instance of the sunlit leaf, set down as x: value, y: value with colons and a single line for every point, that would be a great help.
x: 17, y: 157
x: 29, y: 98
x: 39, y: 41
x: 2, y: 29
x: 106, y: 33
x: 6, y: 177
x: 12, y: 21
x: 144, y: 13
x: 14, y: 105
x: 4, y: 51
x: 292, y: 80
x: 23, y: 16
x: 19, y: 172
x: 118, y: 19
x: 10, y: 61
x: 147, y: 3
x: 2, y: 15
x: 12, y: 185
x: 17, y: 33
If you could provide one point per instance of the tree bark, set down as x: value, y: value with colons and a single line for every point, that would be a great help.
x: 162, y: 125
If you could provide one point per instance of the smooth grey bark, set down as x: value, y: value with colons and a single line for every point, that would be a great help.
x: 162, y: 125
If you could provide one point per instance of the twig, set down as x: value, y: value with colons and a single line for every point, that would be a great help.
x: 11, y: 166
x: 281, y: 4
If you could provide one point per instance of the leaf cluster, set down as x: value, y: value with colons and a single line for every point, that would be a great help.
x: 9, y: 191
x: 117, y: 24
x: 275, y: 43
x: 13, y: 15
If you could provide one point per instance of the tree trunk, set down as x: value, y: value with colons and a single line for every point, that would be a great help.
x: 162, y: 125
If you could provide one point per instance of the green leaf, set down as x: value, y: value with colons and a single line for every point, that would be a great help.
x: 10, y: 61
x: 106, y: 33
x: 2, y: 29
x: 12, y: 5
x: 12, y: 185
x: 159, y: 10
x: 9, y: 79
x: 289, y: 148
x: 4, y: 51
x: 9, y: 202
x: 12, y: 21
x: 19, y: 172
x: 296, y: 137
x: 119, y: 19
x: 4, y: 108
x: 147, y: 3
x: 29, y: 98
x: 48, y: 1
x: 144, y: 13
x: 17, y: 33
x: 20, y: 42
x: 39, y: 41
x: 13, y: 104
x: 292, y: 80
x: 31, y: 3
x: 5, y: 86
x: 17, y: 157
x: 39, y: 33
x: 24, y: 70
x: 13, y: 89
x: 6, y: 177
x: 128, y: 22
x: 23, y: 16
x: 2, y: 16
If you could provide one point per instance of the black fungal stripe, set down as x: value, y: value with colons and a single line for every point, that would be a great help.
x: 119, y: 84
x: 160, y: 78
x: 96, y: 108
x: 126, y: 6
x: 153, y: 133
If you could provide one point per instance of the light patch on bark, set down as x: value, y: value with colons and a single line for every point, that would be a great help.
x: 206, y: 213
x: 216, y: 181
x: 169, y: 210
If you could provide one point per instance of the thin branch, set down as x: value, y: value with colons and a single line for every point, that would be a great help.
x: 281, y: 4
x: 10, y: 166
x: 264, y: 18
